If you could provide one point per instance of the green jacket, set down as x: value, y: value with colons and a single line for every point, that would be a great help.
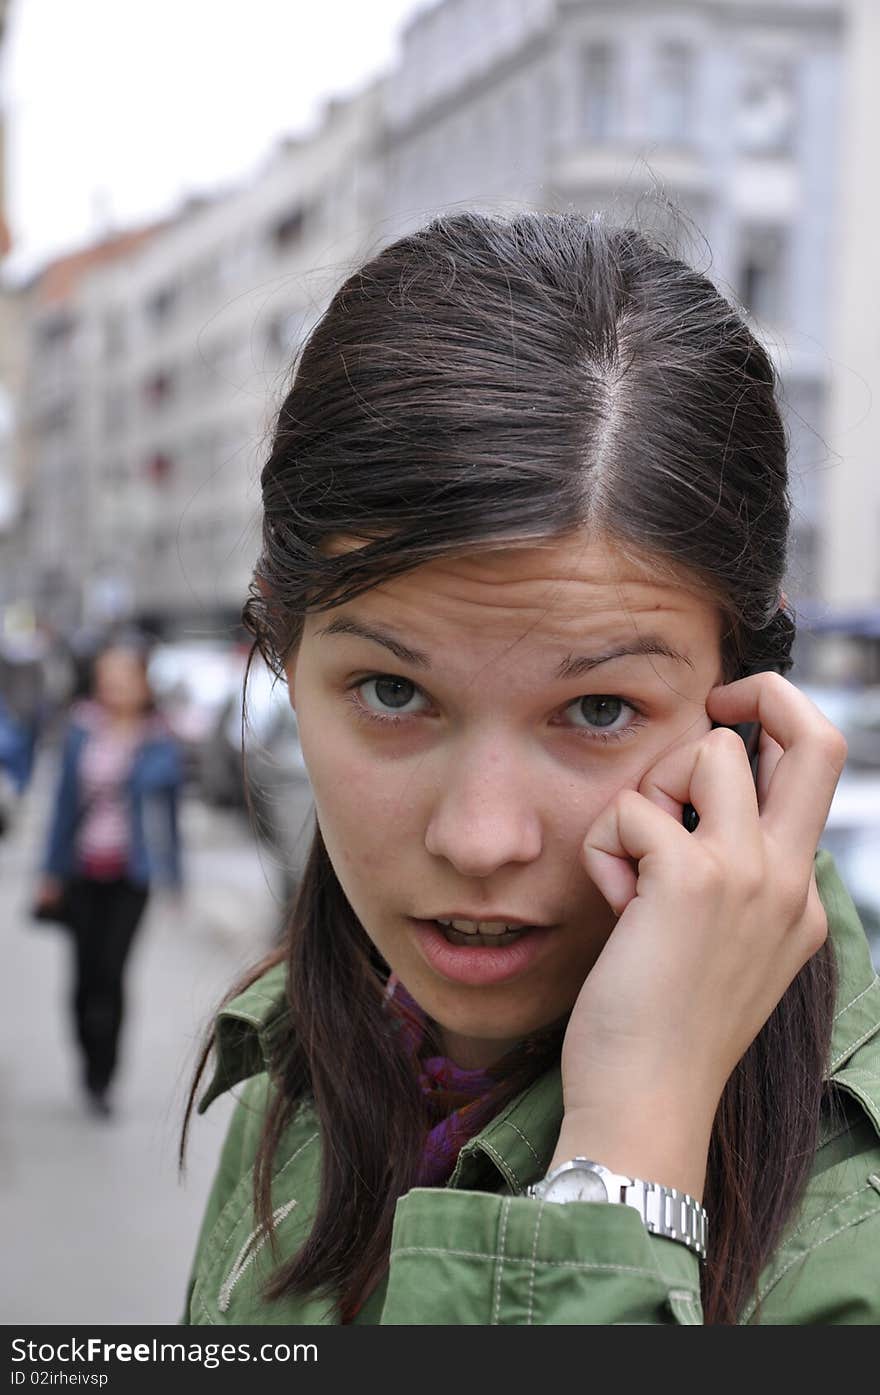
x: 477, y: 1251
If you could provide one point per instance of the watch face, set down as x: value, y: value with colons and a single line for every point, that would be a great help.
x: 577, y: 1184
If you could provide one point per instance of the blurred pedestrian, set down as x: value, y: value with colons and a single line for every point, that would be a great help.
x: 23, y: 696
x: 15, y: 763
x: 113, y: 833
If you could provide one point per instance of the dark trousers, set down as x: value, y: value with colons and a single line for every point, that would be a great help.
x: 103, y: 919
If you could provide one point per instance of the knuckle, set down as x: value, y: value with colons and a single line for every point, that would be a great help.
x: 723, y: 738
x: 835, y: 747
x: 776, y: 680
x: 629, y: 798
x: 707, y: 873
x: 752, y: 881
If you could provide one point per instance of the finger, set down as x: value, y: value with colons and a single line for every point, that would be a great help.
x: 623, y: 838
x: 715, y: 776
x: 769, y: 755
x: 802, y: 783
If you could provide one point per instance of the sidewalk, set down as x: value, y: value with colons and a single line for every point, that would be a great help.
x: 96, y: 1225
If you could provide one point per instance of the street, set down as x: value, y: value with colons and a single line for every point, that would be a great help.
x: 97, y: 1227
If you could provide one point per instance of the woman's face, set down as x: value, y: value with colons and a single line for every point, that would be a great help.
x: 121, y: 683
x: 457, y: 766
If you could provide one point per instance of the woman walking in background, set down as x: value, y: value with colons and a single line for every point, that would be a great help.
x: 113, y: 832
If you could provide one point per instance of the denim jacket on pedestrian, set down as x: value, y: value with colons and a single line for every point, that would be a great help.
x: 479, y: 1251
x: 153, y: 788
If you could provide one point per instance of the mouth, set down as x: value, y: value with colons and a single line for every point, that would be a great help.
x: 481, y: 956
x: 488, y: 939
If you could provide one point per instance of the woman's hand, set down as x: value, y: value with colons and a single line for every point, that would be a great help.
x: 713, y: 926
x: 49, y: 891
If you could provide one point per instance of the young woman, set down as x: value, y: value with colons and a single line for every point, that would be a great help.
x: 573, y: 1023
x: 113, y: 831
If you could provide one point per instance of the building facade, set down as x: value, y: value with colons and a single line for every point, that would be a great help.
x: 850, y: 537
x: 722, y: 122
x: 718, y: 121
x: 151, y: 387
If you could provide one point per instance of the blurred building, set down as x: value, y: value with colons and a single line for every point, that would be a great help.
x: 56, y: 525
x: 4, y: 228
x: 729, y: 110
x: 10, y: 365
x: 850, y: 569
x: 152, y: 375
x: 743, y: 128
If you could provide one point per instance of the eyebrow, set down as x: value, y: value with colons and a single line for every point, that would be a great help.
x: 571, y: 667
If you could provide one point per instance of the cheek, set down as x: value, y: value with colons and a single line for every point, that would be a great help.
x: 366, y: 810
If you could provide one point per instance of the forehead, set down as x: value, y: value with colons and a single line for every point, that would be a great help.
x: 119, y: 661
x: 555, y: 585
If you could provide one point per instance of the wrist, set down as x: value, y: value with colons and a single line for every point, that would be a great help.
x: 647, y: 1143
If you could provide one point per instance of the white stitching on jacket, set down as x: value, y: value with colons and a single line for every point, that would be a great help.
x: 505, y: 1212
x: 853, y: 1001
x: 511, y: 1125
x: 210, y: 1256
x: 246, y: 1255
x: 538, y: 1220
x: 796, y: 1259
x: 583, y: 1264
x: 502, y: 1163
x: 852, y: 1046
x: 805, y: 1225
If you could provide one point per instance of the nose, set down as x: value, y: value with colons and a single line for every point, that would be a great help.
x: 485, y: 815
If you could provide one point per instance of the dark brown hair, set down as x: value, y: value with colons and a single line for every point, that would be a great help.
x: 482, y: 382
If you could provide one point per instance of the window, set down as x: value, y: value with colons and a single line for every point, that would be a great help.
x: 599, y: 81
x: 159, y: 467
x: 57, y: 332
x: 673, y: 94
x: 57, y: 420
x: 765, y: 120
x: 762, y: 273
x: 288, y: 228
x: 161, y: 304
x: 159, y: 388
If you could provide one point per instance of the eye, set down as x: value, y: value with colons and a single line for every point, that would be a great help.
x: 390, y: 693
x: 602, y: 713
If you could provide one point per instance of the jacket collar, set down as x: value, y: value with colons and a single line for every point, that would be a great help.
x: 520, y: 1141
x: 245, y: 1029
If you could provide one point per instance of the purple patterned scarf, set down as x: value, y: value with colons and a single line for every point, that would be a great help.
x: 460, y: 1102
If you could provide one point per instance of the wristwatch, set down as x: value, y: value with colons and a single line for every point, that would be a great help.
x: 664, y: 1210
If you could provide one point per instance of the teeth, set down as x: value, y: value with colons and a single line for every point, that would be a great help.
x: 480, y: 927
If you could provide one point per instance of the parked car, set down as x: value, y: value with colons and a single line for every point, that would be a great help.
x: 193, y: 680
x: 267, y: 780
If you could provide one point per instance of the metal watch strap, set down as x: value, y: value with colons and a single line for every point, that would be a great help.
x: 668, y: 1212
x: 664, y: 1210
